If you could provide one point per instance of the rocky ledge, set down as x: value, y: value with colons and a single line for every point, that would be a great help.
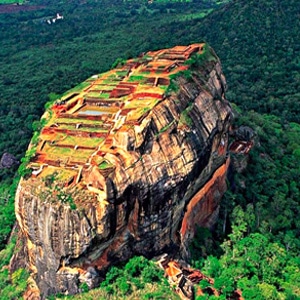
x: 127, y: 163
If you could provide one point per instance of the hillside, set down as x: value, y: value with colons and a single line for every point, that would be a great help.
x: 258, y: 43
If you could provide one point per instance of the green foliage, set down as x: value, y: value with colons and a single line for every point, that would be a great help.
x: 19, y: 281
x: 200, y: 246
x: 246, y: 35
x: 19, y: 277
x: 139, y: 278
x: 103, y: 165
x: 185, y: 118
x: 64, y: 197
x: 254, y: 265
x: 23, y: 169
x: 14, y: 287
x: 7, y: 252
x: 272, y: 176
x: 118, y: 63
x: 174, y: 86
x: 196, y: 62
x: 84, y: 287
x: 136, y: 78
x: 165, y: 128
x: 7, y: 215
x: 137, y: 273
x: 52, y: 97
x: 50, y: 179
x: 55, y: 192
x: 199, y: 60
x: 260, y: 249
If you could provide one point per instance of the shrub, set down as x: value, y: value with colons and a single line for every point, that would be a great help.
x: 135, y: 275
x: 84, y: 287
x: 18, y: 284
x: 119, y: 62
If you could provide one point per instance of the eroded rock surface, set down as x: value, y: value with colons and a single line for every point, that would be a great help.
x: 128, y: 163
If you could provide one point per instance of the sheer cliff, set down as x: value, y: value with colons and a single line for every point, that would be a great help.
x: 126, y: 163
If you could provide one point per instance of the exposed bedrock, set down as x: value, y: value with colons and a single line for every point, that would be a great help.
x: 169, y: 176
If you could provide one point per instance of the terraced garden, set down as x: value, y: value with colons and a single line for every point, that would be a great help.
x: 81, y: 125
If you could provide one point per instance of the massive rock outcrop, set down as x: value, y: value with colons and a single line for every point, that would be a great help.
x: 129, y: 162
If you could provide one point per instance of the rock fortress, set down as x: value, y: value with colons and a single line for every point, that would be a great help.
x: 127, y: 163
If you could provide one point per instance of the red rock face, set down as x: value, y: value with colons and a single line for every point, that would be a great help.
x: 157, y: 170
x: 204, y: 203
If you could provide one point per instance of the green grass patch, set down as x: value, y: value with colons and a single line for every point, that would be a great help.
x: 66, y: 153
x: 121, y: 73
x: 86, y: 142
x: 110, y: 80
x: 94, y: 94
x: 61, y: 151
x: 104, y: 165
x: 104, y: 95
x: 164, y: 87
x: 105, y: 87
x: 134, y: 78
